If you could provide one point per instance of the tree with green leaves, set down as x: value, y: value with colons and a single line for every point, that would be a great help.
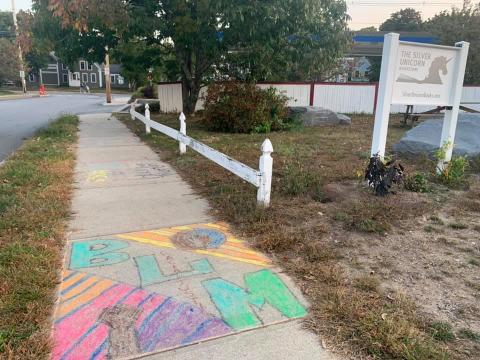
x: 407, y: 19
x: 8, y: 51
x: 211, y: 39
x: 9, y: 64
x: 460, y: 25
x: 6, y: 24
x: 403, y: 20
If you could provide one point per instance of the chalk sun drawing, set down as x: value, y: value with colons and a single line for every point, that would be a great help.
x: 219, y: 243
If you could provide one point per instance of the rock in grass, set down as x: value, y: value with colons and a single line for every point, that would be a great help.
x: 425, y: 137
x: 316, y: 116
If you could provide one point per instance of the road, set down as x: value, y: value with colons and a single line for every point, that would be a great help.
x: 21, y: 118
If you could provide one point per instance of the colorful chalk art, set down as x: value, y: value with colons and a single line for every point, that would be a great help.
x: 151, y: 291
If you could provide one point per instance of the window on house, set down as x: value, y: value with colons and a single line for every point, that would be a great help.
x: 75, y: 76
x: 31, y: 77
x: 82, y: 65
x: 89, y: 66
x: 64, y: 67
x: 112, y: 79
x: 93, y: 78
x: 65, y: 78
x: 120, y: 80
x: 357, y: 73
x: 84, y: 77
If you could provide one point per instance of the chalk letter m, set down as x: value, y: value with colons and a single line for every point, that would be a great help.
x: 262, y: 286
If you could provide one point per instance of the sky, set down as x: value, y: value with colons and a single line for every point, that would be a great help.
x: 363, y: 12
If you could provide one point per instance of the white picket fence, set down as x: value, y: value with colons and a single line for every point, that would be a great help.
x: 348, y: 98
x: 262, y: 178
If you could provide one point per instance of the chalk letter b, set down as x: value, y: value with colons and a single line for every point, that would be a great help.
x: 93, y: 253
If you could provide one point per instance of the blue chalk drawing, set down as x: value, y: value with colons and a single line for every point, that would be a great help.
x: 92, y: 253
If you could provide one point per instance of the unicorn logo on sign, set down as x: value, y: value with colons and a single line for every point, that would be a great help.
x: 439, y: 64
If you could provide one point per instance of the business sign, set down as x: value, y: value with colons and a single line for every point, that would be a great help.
x: 424, y: 74
x: 420, y: 74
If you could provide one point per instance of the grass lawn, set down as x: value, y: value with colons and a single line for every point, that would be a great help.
x: 35, y: 190
x: 6, y: 92
x: 387, y: 278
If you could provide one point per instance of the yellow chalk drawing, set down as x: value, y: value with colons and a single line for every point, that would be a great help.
x: 98, y: 176
x: 231, y: 249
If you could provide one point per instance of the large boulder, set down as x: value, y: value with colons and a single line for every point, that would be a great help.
x: 425, y: 137
x: 315, y: 116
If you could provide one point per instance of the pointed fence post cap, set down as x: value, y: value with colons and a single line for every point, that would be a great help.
x: 182, y: 116
x: 147, y: 106
x: 267, y: 146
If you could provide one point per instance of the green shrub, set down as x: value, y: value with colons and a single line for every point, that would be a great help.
x: 453, y: 173
x: 417, y: 182
x: 146, y: 92
x: 244, y: 108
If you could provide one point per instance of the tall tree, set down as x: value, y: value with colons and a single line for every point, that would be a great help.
x: 209, y: 38
x: 35, y: 56
x: 460, y: 25
x: 407, y: 19
x: 6, y: 23
x: 9, y: 63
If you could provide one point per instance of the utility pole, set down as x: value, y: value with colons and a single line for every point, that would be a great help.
x: 108, y: 85
x: 20, y: 57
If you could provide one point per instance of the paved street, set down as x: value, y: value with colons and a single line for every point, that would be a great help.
x: 21, y: 118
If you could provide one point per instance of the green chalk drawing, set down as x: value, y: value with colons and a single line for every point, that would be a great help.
x: 94, y: 253
x: 262, y: 286
x: 150, y: 272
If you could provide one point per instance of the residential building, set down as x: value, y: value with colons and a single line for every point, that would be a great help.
x: 56, y: 73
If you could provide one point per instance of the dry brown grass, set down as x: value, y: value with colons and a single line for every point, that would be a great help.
x: 35, y: 190
x: 310, y: 237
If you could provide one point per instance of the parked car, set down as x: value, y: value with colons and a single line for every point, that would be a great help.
x: 8, y: 83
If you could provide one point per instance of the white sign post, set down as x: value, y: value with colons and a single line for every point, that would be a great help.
x: 420, y: 74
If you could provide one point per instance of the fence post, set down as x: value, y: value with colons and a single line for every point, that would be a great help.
x: 147, y: 116
x: 265, y: 168
x: 132, y: 110
x: 183, y: 130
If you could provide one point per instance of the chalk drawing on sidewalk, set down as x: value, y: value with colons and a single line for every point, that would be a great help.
x: 122, y: 337
x: 118, y: 171
x: 150, y: 272
x: 93, y: 311
x: 235, y: 303
x: 226, y: 247
x: 93, y: 253
x: 198, y: 238
x: 97, y: 176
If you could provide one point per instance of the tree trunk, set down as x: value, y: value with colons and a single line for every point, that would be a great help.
x: 190, y: 91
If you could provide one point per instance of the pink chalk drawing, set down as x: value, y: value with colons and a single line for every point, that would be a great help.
x: 90, y: 314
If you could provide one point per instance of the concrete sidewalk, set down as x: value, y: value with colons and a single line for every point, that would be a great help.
x: 148, y: 273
